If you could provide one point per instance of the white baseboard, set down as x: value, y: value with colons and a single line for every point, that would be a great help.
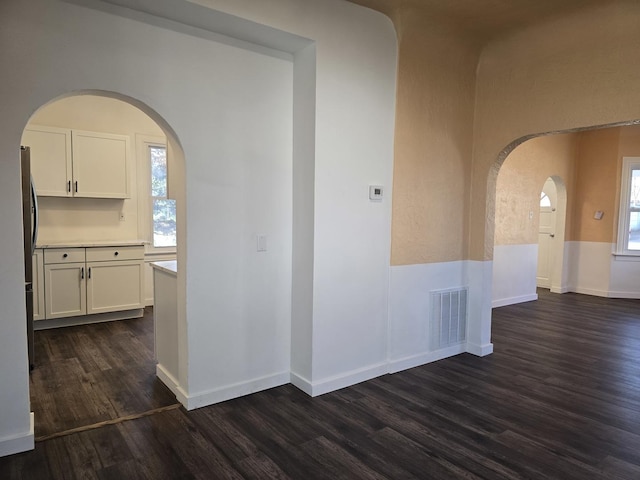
x: 87, y: 319
x: 424, y: 358
x: 172, y: 384
x: 503, y: 302
x: 18, y: 443
x: 217, y: 395
x: 590, y: 291
x: 564, y: 289
x: 340, y: 381
x: 480, y: 350
x: 614, y: 294
x: 302, y: 383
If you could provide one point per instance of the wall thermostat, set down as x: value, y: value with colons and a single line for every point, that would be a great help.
x: 375, y: 192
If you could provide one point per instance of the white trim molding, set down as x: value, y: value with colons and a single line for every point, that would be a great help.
x: 339, y: 381
x: 20, y: 442
x: 228, y: 392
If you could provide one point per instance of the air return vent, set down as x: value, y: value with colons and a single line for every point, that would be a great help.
x: 448, y: 317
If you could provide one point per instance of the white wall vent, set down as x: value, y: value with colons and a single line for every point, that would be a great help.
x: 448, y: 317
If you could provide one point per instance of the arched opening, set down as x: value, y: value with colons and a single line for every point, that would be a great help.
x: 551, y: 234
x: 576, y: 242
x: 106, y: 370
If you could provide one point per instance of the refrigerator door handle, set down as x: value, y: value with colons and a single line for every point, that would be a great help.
x: 36, y: 219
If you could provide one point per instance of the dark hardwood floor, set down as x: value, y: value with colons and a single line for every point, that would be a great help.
x: 93, y: 373
x: 559, y: 398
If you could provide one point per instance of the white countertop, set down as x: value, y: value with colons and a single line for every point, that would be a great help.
x: 169, y: 266
x: 95, y: 243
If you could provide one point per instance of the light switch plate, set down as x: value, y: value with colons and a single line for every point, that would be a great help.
x: 261, y: 241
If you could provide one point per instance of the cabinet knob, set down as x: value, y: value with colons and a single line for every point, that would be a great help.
x: 65, y: 255
x: 116, y: 254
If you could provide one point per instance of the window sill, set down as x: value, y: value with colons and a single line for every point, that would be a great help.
x: 160, y: 252
x: 626, y: 257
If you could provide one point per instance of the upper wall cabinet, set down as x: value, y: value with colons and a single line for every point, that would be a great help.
x: 50, y: 160
x: 75, y: 163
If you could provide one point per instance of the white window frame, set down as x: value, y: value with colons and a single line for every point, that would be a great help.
x: 628, y: 165
x: 145, y: 215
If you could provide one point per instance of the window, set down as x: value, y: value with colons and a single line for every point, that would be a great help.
x: 163, y: 209
x: 629, y: 219
x: 545, y: 201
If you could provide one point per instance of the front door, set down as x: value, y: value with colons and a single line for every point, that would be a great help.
x: 546, y: 234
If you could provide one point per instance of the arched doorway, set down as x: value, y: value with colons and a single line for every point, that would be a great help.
x: 551, y: 233
x: 79, y: 221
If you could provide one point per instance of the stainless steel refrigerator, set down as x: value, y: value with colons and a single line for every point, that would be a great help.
x: 30, y: 236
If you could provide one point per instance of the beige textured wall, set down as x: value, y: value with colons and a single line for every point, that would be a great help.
x: 434, y: 128
x: 520, y: 181
x: 596, y: 186
x: 573, y: 72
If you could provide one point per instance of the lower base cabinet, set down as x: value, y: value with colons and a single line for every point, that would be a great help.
x: 84, y: 281
x: 65, y: 290
x: 114, y: 286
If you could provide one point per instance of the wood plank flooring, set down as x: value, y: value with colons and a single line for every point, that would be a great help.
x: 559, y: 399
x: 92, y: 373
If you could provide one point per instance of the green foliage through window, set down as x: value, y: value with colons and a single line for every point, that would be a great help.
x: 164, y: 209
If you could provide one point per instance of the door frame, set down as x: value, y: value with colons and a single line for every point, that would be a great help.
x: 558, y: 275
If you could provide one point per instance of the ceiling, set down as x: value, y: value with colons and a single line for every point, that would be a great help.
x: 484, y: 19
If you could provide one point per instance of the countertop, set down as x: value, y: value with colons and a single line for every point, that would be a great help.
x: 169, y: 266
x: 105, y: 243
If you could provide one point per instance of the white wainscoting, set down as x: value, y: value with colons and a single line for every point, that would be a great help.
x: 514, y: 274
x: 589, y: 267
x: 625, y: 277
x: 409, y: 328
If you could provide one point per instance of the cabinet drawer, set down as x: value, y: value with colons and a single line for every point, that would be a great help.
x: 105, y: 254
x: 63, y: 255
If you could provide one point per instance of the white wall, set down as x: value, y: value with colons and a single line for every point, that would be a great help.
x: 588, y: 268
x: 595, y: 271
x: 409, y: 310
x: 514, y: 274
x: 231, y: 109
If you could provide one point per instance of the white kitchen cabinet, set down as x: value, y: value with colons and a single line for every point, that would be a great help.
x: 76, y: 163
x: 115, y: 285
x: 50, y: 159
x: 38, y: 284
x: 86, y: 281
x: 66, y: 290
x: 100, y: 165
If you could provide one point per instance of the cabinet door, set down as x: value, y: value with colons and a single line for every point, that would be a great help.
x: 100, y: 165
x: 50, y: 159
x: 66, y: 290
x: 115, y: 286
x: 38, y: 285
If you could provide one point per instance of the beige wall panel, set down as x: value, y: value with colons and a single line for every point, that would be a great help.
x: 436, y: 82
x: 574, y: 72
x: 596, y: 185
x: 520, y: 181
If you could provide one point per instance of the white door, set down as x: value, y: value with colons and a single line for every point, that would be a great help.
x: 546, y: 233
